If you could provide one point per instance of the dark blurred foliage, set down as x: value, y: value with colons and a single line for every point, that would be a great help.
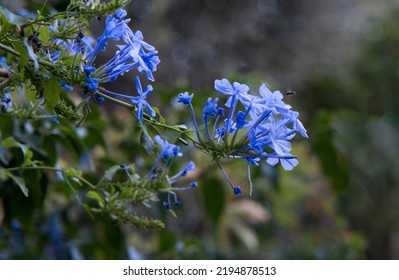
x: 339, y: 203
x: 357, y: 137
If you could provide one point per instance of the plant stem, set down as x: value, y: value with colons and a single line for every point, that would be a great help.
x: 14, y: 52
x: 116, y: 101
x: 224, y: 172
x: 50, y: 169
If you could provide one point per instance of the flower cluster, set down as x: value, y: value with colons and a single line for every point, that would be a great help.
x: 256, y: 127
x: 133, y: 53
x: 159, y: 172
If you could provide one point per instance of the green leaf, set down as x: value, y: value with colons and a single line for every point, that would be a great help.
x: 71, y: 172
x: 323, y: 143
x: 88, y: 210
x: 94, y: 195
x: 52, y: 89
x: 20, y: 182
x: 3, y: 175
x: 109, y: 173
x: 159, y: 116
x: 146, y: 141
x: 28, y: 159
x: 84, y: 21
x: 11, y: 18
x: 171, y: 133
x: 44, y: 34
x: 214, y: 198
x: 23, y: 57
x: 167, y: 241
x: 10, y: 142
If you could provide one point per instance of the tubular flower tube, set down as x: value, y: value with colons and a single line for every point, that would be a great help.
x: 141, y: 102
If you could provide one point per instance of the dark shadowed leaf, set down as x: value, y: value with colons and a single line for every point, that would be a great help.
x: 214, y: 198
x: 20, y: 182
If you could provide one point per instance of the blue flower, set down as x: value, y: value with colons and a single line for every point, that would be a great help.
x: 168, y: 150
x: 66, y: 86
x: 237, y: 190
x: 236, y: 91
x: 141, y: 102
x: 158, y: 172
x: 272, y: 101
x: 115, y: 29
x: 83, y: 46
x: 5, y: 102
x: 240, y: 121
x: 3, y: 63
x: 138, y: 39
x: 189, y: 166
x: 287, y: 160
x: 168, y: 153
x: 89, y: 69
x: 91, y: 83
x: 151, y: 60
x: 7, y: 99
x: 145, y: 62
x: 99, y: 98
x: 134, y: 52
x: 55, y: 121
x: 210, y: 109
x: 185, y: 98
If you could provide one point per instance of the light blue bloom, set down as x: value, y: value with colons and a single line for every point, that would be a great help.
x: 210, y: 109
x: 138, y: 40
x: 287, y: 160
x: 115, y: 29
x: 189, y: 166
x: 237, y: 92
x: 141, y: 102
x: 5, y: 102
x: 7, y: 99
x: 66, y: 86
x: 168, y: 150
x: 168, y: 153
x: 272, y: 101
x: 99, y: 98
x: 3, y: 63
x: 185, y: 98
x: 91, y: 83
x: 134, y: 53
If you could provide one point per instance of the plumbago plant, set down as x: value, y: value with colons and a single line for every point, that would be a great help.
x: 49, y: 59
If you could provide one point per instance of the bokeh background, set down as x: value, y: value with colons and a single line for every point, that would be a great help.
x: 342, y: 60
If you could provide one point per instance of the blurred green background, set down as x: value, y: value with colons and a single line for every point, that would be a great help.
x: 340, y: 202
